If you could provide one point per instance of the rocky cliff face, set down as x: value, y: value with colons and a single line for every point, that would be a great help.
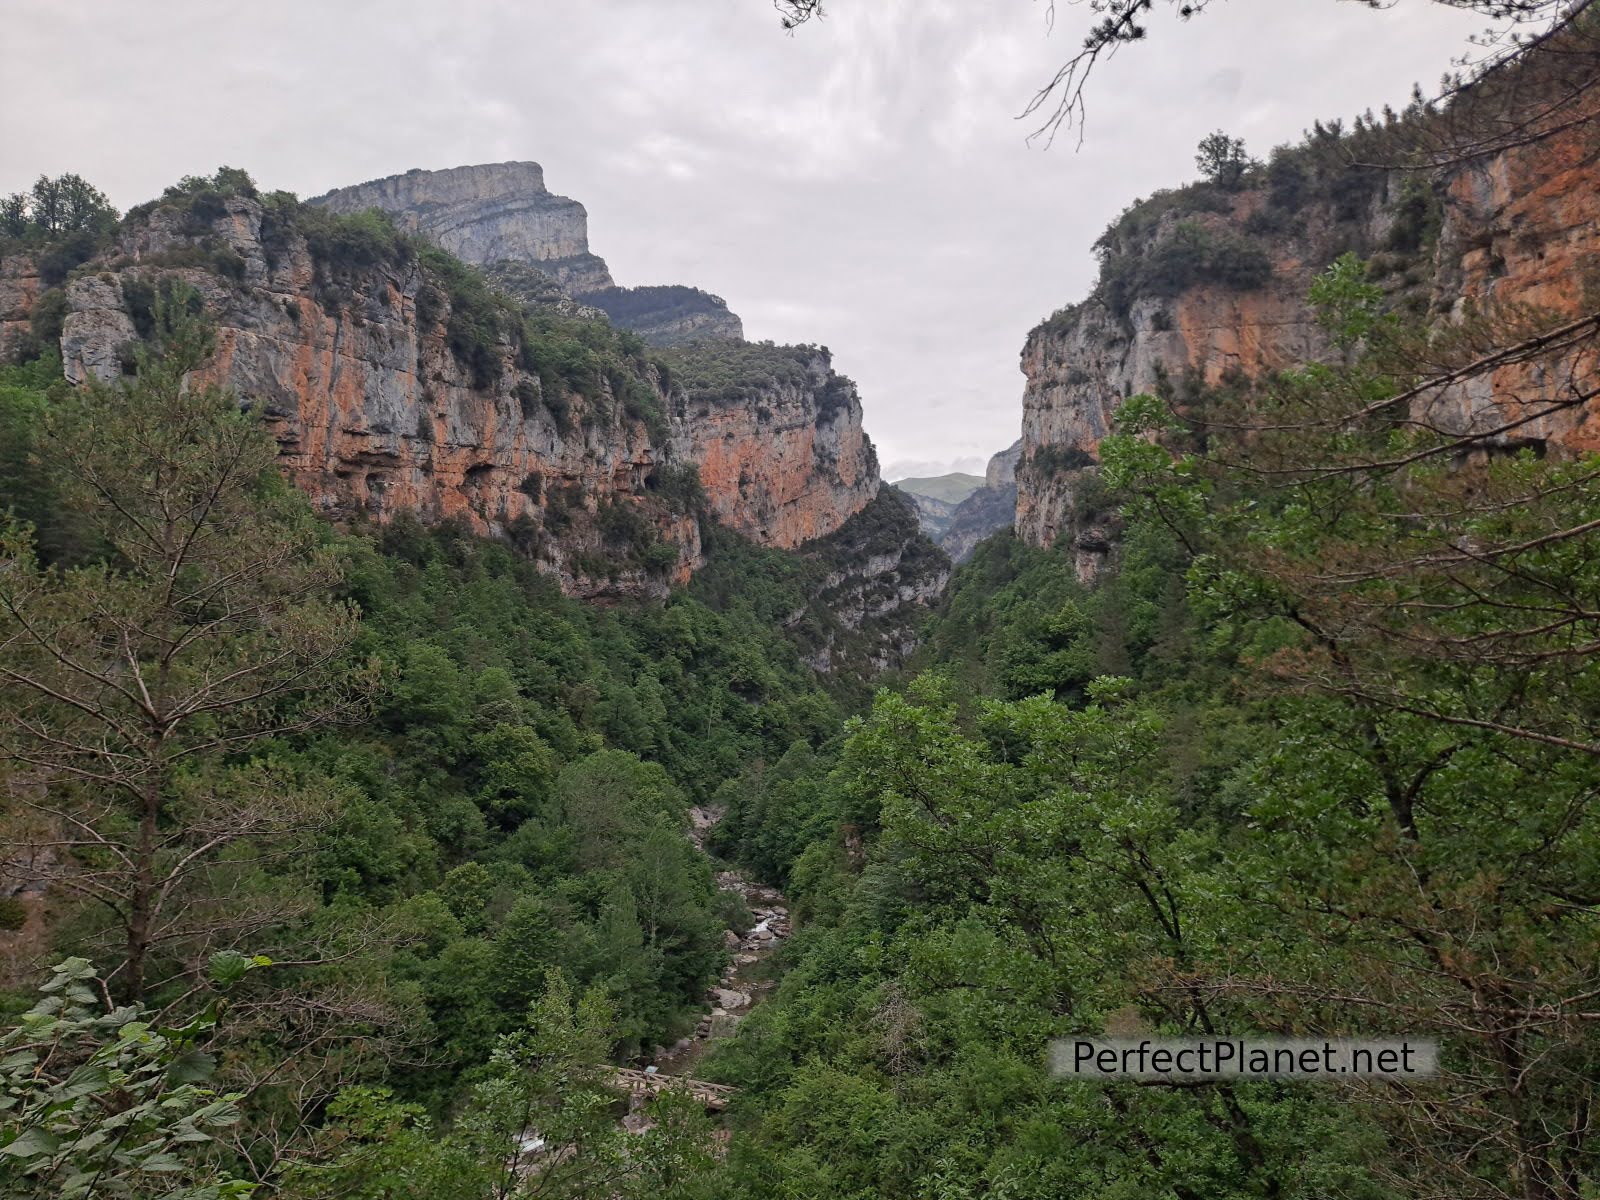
x: 502, y: 212
x: 1200, y: 286
x: 19, y: 291
x: 376, y: 413
x: 933, y: 514
x: 554, y: 435
x: 1002, y: 468
x: 881, y: 574
x: 669, y: 315
x: 483, y: 214
x: 783, y: 457
x: 1085, y: 361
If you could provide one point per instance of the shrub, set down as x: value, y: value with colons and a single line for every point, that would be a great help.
x: 528, y: 398
x: 679, y: 486
x: 1418, y: 217
x: 139, y: 295
x: 13, y: 914
x: 659, y: 558
x: 66, y: 253
x: 1188, y: 254
x: 351, y: 241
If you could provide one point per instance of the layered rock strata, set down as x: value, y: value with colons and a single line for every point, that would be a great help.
x: 359, y: 375
x: 503, y: 212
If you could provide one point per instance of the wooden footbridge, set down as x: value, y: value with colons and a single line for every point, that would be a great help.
x: 713, y: 1096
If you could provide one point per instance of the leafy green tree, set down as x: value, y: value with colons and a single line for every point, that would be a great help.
x: 1222, y: 159
x: 132, y: 686
x: 543, y: 1122
x: 376, y: 1148
x: 28, y: 487
x: 1427, y: 819
x: 102, y: 1102
x: 55, y: 207
x: 84, y: 207
x: 14, y: 215
x: 1034, y: 875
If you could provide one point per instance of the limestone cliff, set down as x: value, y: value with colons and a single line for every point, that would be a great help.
x: 19, y: 291
x: 1083, y: 362
x: 880, y: 575
x: 359, y: 368
x: 777, y: 437
x: 482, y: 214
x: 396, y: 380
x: 669, y: 314
x: 933, y: 514
x: 1002, y: 468
x: 1205, y: 284
x: 498, y: 212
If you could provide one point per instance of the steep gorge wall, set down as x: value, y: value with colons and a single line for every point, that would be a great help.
x: 1082, y: 363
x: 787, y: 460
x: 374, y: 412
x: 1520, y: 226
x: 358, y: 374
x: 988, y: 510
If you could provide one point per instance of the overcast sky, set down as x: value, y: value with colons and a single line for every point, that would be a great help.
x: 863, y: 183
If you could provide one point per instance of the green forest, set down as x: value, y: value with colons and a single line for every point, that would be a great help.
x: 351, y: 859
x: 377, y: 841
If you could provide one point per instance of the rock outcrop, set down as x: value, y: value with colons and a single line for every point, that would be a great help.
x: 366, y: 371
x: 880, y: 575
x: 1202, y: 286
x: 375, y: 411
x: 933, y: 514
x: 19, y: 291
x: 483, y: 214
x: 783, y: 456
x: 1002, y: 468
x: 669, y: 314
x: 1083, y: 362
x: 500, y: 212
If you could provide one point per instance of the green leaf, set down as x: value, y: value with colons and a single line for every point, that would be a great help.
x: 191, y: 1066
x: 31, y: 1143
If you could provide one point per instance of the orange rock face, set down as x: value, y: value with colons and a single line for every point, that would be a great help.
x: 376, y: 415
x: 1521, y: 226
x: 788, y: 470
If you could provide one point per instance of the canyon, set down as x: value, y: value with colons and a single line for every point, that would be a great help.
x: 967, y: 509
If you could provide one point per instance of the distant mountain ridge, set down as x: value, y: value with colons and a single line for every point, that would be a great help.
x: 959, y: 510
x: 950, y: 489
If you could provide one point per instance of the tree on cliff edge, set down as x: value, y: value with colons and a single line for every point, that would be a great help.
x: 1222, y: 159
